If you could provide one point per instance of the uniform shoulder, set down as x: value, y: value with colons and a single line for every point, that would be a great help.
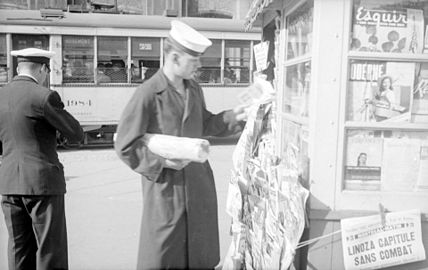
x: 30, y: 87
x: 43, y: 92
x: 151, y: 87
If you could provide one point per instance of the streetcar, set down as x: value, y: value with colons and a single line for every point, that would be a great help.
x: 101, y: 58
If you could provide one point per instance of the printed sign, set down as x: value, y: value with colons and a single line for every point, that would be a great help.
x: 365, y: 71
x: 261, y: 55
x: 145, y: 46
x: 393, y: 18
x: 101, y: 104
x: 81, y: 42
x: 367, y: 244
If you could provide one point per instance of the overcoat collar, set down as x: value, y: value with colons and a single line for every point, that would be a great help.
x: 24, y: 78
x: 165, y: 84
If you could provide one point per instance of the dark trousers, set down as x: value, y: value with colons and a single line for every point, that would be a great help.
x: 37, y: 232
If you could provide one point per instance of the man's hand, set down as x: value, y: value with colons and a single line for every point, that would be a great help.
x: 175, y: 164
x: 239, y: 113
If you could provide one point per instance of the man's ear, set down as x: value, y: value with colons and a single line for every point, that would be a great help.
x: 175, y: 57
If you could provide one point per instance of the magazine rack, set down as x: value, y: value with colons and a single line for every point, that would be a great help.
x: 327, y: 79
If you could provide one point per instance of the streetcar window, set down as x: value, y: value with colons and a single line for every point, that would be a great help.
x: 156, y: 7
x: 3, y: 59
x: 22, y: 41
x: 213, y: 9
x: 78, y: 59
x: 210, y: 71
x: 113, y: 54
x: 145, y: 58
x: 237, y: 61
x: 33, y: 4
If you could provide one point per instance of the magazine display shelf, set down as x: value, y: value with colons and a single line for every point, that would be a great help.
x: 387, y: 56
x: 331, y: 65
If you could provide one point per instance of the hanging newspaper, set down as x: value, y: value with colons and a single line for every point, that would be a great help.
x: 265, y: 203
x: 368, y: 244
x: 261, y: 55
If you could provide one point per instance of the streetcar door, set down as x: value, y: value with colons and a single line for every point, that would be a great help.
x: 21, y: 41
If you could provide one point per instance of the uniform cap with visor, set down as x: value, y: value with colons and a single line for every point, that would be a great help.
x: 33, y: 55
x: 188, y: 39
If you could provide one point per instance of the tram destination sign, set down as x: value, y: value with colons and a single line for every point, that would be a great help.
x: 370, y: 244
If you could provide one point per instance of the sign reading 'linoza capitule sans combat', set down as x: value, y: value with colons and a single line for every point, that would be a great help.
x: 369, y: 244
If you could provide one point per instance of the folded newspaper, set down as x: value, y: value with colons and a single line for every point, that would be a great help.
x: 173, y: 147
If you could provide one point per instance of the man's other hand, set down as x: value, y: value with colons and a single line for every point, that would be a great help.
x: 175, y: 164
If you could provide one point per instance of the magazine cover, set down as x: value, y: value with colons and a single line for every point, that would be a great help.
x: 420, y: 96
x: 388, y: 30
x: 422, y: 182
x: 363, y: 163
x: 380, y: 91
x: 400, y: 163
x: 363, y: 76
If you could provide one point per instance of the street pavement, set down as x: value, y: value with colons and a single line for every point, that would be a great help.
x: 104, y: 205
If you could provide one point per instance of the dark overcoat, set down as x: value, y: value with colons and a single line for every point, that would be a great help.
x: 30, y: 116
x: 179, y: 225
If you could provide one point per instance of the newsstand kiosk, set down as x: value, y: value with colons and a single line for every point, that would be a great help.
x: 351, y: 81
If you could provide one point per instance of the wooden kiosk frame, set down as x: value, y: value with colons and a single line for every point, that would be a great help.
x: 323, y: 63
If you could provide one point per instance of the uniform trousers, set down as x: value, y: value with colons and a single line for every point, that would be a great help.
x: 37, y: 232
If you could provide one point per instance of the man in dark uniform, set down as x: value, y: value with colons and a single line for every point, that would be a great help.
x: 31, y: 176
x: 179, y: 227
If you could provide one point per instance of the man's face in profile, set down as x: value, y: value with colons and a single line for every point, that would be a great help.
x: 188, y: 66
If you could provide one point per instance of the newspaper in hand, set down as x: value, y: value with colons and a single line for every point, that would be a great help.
x: 173, y: 147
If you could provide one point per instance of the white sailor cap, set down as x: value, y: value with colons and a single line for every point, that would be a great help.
x: 188, y: 39
x: 33, y: 55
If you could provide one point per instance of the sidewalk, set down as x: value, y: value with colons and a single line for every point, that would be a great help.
x: 103, y: 208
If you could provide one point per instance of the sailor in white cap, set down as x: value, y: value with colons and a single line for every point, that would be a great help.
x: 179, y: 225
x: 188, y: 39
x: 32, y: 181
x: 32, y: 57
